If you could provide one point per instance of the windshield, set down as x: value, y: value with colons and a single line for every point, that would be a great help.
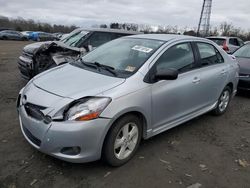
x: 75, y: 38
x: 218, y: 41
x: 123, y: 55
x: 243, y: 52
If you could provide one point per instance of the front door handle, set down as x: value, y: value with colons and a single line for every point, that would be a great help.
x: 196, y: 80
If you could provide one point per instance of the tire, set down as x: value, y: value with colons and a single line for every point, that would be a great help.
x: 5, y: 38
x: 223, y: 101
x: 128, y: 145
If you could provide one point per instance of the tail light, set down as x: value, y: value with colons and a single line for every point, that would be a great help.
x: 225, y: 47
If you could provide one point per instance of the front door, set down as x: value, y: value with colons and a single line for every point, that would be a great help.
x: 172, y: 100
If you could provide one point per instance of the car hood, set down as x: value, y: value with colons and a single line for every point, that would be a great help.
x: 244, y: 65
x: 34, y: 47
x: 74, y: 82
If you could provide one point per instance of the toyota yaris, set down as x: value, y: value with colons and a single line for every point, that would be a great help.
x: 129, y: 89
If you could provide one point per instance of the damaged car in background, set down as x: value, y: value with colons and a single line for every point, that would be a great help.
x: 41, y: 56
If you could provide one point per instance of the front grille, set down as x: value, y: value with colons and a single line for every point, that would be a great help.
x: 31, y: 137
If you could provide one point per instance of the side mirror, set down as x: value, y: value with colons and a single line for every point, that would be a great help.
x: 166, y: 74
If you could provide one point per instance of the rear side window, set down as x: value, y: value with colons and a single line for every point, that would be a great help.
x: 218, y: 41
x: 234, y: 41
x: 179, y: 57
x: 209, y: 54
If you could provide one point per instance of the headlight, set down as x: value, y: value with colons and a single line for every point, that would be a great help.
x: 87, y: 108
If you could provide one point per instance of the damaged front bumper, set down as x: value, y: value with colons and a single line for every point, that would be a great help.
x: 71, y: 141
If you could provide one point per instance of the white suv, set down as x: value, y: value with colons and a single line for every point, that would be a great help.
x: 229, y: 44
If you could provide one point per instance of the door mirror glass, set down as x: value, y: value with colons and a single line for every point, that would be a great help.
x: 166, y: 74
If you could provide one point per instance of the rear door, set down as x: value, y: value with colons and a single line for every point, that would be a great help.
x: 213, y: 72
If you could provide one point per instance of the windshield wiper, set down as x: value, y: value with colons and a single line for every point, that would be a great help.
x: 88, y: 64
x: 97, y: 65
x: 106, y: 67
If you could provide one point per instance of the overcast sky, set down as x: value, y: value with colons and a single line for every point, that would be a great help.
x: 156, y: 12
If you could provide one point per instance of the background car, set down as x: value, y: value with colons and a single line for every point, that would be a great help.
x: 11, y: 35
x: 38, y: 57
x: 229, y: 44
x: 27, y: 34
x: 131, y: 88
x: 42, y: 36
x: 243, y: 57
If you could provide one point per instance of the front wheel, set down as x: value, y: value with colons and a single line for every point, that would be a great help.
x: 223, y: 101
x: 122, y: 140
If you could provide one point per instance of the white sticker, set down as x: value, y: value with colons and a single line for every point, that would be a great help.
x: 142, y: 49
x: 130, y: 69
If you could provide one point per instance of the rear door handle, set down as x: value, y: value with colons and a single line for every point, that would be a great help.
x: 196, y: 80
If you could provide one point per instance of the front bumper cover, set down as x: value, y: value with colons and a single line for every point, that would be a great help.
x: 52, y: 138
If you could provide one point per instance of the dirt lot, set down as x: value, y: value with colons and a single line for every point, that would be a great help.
x: 212, y: 151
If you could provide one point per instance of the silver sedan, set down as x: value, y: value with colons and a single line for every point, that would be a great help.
x: 129, y: 89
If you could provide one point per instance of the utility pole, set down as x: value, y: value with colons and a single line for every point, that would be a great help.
x: 204, y: 23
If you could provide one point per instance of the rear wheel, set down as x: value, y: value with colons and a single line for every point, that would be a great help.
x: 223, y: 101
x: 122, y: 140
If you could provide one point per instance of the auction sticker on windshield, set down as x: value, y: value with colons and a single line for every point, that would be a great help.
x: 142, y: 49
x: 130, y: 69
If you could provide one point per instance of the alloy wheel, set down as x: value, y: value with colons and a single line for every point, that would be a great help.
x: 224, y: 100
x: 126, y: 141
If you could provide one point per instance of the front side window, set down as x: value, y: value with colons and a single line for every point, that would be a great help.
x: 209, y: 54
x: 178, y: 57
x: 99, y: 38
x: 124, y: 55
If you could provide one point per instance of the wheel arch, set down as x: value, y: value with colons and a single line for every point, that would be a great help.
x: 138, y: 113
x: 231, y: 85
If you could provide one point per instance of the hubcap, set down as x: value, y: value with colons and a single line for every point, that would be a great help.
x: 224, y: 100
x: 126, y: 141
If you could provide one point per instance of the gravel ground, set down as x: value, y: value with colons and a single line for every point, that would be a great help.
x: 211, y: 151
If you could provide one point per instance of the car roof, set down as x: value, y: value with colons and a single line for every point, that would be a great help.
x: 164, y: 37
x: 109, y: 30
